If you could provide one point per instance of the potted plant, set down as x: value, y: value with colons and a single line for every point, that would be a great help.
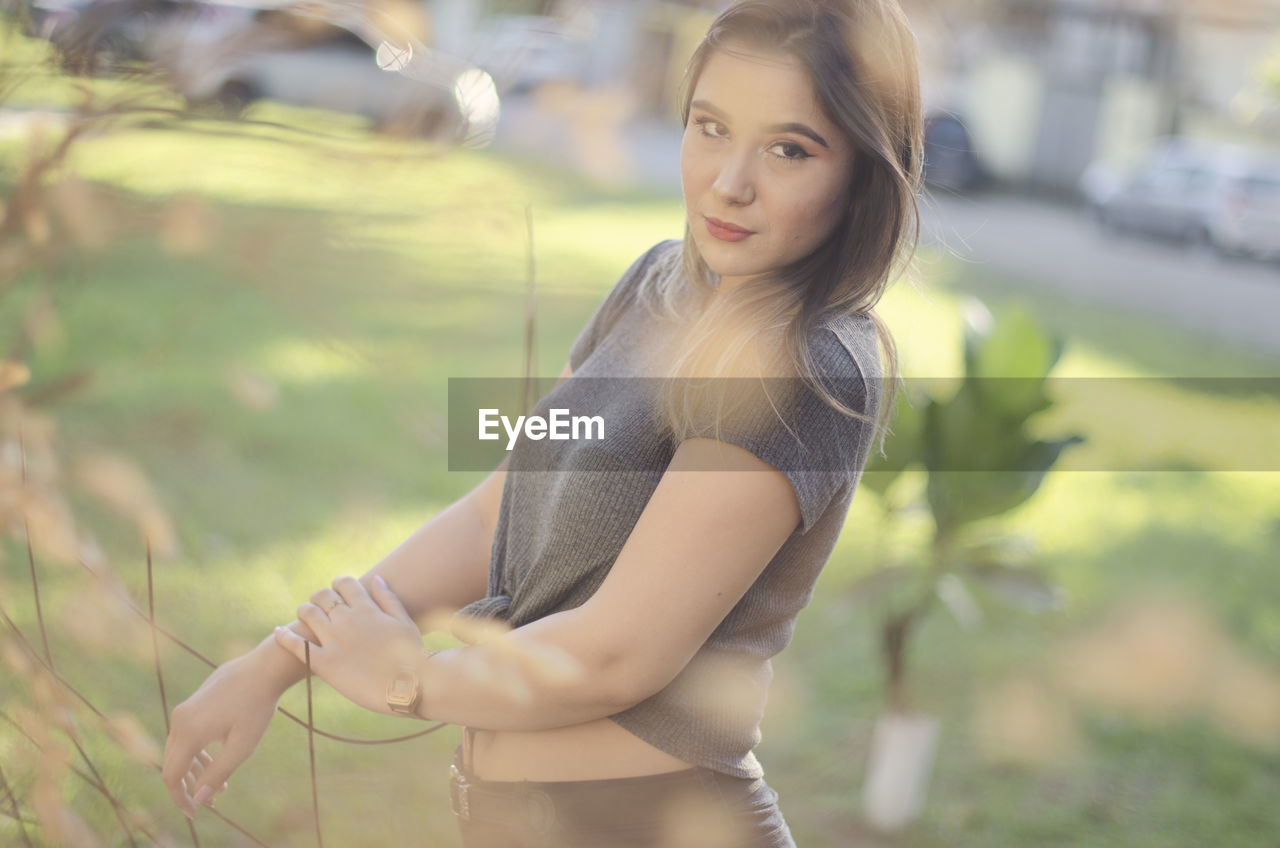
x: 981, y: 461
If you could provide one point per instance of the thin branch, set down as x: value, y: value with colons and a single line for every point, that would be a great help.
x: 17, y: 810
x: 27, y: 645
x: 102, y: 787
x: 35, y: 592
x: 311, y: 748
x: 31, y: 557
x: 96, y: 784
x: 301, y: 722
x: 530, y: 317
x: 155, y: 640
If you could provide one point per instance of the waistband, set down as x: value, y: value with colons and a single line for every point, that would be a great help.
x: 538, y: 803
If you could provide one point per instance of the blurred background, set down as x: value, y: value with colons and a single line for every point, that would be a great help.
x: 244, y: 246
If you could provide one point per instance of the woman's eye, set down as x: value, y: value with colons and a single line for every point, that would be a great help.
x: 710, y: 128
x: 789, y: 151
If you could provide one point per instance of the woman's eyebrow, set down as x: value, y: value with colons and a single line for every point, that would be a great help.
x: 800, y: 129
x: 707, y: 107
x: 793, y: 127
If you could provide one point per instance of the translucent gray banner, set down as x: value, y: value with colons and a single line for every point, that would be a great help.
x: 944, y: 424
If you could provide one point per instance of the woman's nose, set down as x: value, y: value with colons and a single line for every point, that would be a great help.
x: 735, y: 184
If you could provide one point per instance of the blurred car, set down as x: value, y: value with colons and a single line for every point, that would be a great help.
x: 950, y: 161
x: 1220, y: 196
x: 1169, y: 194
x: 326, y: 56
x: 1245, y: 217
x: 329, y: 54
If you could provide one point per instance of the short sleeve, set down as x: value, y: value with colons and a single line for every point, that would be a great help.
x: 821, y: 449
x: 614, y: 304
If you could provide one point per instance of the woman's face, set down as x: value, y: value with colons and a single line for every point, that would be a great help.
x: 764, y: 171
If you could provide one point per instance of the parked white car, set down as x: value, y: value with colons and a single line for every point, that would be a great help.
x: 1224, y: 196
x: 1245, y: 218
x: 346, y: 55
x: 1168, y: 194
x: 323, y: 54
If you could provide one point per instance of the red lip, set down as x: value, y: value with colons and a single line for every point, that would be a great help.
x: 725, y: 231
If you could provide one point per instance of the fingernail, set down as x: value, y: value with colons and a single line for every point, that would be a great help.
x: 377, y: 578
x: 203, y: 796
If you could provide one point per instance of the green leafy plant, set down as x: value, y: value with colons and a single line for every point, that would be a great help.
x: 982, y: 460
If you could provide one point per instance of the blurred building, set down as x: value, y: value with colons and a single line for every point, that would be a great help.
x: 1047, y: 86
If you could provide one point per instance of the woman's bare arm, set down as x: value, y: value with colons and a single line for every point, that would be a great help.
x: 699, y: 544
x: 443, y: 564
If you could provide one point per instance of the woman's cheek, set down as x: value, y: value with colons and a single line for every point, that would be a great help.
x: 828, y: 215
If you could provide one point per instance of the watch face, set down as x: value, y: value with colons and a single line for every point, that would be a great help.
x: 403, y: 692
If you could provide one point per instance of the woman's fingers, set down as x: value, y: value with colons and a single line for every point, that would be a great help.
x: 180, y: 752
x: 388, y: 600
x: 314, y: 617
x: 327, y: 599
x: 296, y: 645
x: 204, y: 759
x: 352, y: 591
x: 234, y: 751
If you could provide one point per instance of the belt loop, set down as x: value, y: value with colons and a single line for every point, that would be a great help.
x: 459, y: 793
x: 468, y: 750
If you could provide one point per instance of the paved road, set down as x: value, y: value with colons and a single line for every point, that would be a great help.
x: 1059, y: 247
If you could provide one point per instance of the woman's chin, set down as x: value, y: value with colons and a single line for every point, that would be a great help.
x: 728, y: 259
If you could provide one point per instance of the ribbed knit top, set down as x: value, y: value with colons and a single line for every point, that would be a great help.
x: 559, y: 531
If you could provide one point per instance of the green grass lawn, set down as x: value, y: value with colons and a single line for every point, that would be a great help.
x: 279, y: 370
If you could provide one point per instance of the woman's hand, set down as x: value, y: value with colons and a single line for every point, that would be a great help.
x: 363, y: 639
x: 233, y: 706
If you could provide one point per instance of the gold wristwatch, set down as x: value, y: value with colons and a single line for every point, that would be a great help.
x: 404, y: 692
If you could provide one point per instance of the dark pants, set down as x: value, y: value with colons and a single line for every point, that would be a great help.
x: 694, y: 808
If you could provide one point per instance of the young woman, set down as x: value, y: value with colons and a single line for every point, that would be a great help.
x: 663, y: 572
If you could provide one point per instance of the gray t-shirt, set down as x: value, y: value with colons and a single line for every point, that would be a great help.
x: 559, y: 531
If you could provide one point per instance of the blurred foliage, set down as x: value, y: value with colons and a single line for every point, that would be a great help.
x: 982, y: 461
x: 59, y: 745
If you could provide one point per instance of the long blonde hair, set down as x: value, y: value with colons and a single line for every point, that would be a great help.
x: 861, y: 59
